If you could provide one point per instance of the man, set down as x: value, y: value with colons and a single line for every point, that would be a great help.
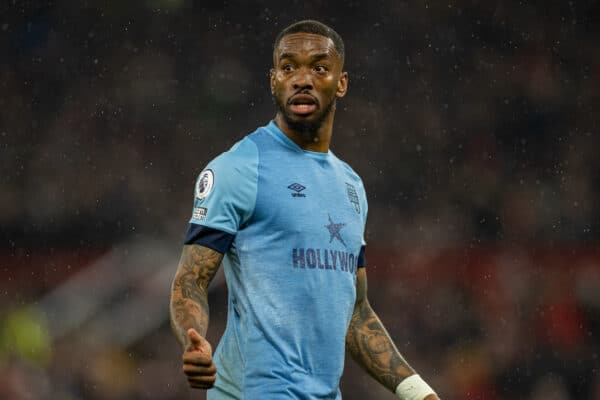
x: 286, y: 217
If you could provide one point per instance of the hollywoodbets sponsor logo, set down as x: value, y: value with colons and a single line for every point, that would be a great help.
x: 308, y: 258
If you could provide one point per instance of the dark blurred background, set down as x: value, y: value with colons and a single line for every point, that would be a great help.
x: 473, y: 125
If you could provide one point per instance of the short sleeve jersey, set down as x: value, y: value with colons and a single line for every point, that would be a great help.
x: 290, y: 223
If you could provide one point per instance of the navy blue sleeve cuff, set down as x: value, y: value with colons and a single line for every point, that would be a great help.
x: 362, y: 258
x: 208, y: 237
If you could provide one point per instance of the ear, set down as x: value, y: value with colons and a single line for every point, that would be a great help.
x: 342, y: 86
x: 272, y: 80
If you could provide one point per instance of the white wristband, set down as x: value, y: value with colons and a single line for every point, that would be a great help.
x: 413, y: 388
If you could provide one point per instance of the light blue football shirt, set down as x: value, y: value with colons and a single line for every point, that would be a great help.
x: 293, y: 222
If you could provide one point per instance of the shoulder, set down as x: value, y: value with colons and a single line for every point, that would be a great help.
x: 351, y: 174
x: 242, y: 151
x: 230, y: 169
x: 240, y: 159
x: 246, y: 151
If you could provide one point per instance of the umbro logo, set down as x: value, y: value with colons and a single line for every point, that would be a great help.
x: 297, y: 188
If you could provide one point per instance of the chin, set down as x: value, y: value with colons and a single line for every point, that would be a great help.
x: 306, y: 126
x: 303, y: 119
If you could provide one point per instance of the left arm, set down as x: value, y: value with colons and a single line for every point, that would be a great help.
x: 371, y: 346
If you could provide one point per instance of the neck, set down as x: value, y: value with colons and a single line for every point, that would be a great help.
x: 318, y: 142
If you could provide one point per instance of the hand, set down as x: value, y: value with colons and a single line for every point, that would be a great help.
x: 198, y: 365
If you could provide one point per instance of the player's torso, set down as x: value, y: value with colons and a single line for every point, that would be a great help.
x: 293, y: 280
x: 307, y: 221
x: 311, y: 204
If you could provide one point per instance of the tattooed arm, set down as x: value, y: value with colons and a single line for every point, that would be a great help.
x: 189, y: 303
x: 371, y: 346
x: 189, y: 312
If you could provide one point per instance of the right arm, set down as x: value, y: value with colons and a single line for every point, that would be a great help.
x: 189, y: 312
x: 189, y: 302
x: 230, y: 198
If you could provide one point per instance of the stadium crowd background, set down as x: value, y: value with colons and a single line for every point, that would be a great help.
x: 473, y: 125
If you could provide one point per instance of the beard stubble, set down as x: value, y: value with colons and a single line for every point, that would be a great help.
x: 307, y: 129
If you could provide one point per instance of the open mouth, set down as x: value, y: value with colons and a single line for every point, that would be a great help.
x: 302, y: 104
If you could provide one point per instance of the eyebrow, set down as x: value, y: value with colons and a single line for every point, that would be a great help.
x: 315, y: 57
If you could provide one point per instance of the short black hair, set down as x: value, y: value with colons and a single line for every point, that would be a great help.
x: 316, y: 27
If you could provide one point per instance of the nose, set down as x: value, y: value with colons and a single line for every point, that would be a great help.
x: 302, y: 80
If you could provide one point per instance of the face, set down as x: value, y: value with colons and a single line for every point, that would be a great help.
x: 306, y: 80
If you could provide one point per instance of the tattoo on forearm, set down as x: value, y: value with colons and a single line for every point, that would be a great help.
x: 371, y: 346
x: 189, y: 303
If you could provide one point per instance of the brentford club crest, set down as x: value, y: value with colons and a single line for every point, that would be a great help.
x: 353, y: 197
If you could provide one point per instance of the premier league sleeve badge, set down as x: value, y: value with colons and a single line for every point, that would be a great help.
x: 204, y: 184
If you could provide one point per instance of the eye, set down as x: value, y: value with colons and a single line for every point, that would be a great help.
x: 287, y: 67
x: 321, y: 69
